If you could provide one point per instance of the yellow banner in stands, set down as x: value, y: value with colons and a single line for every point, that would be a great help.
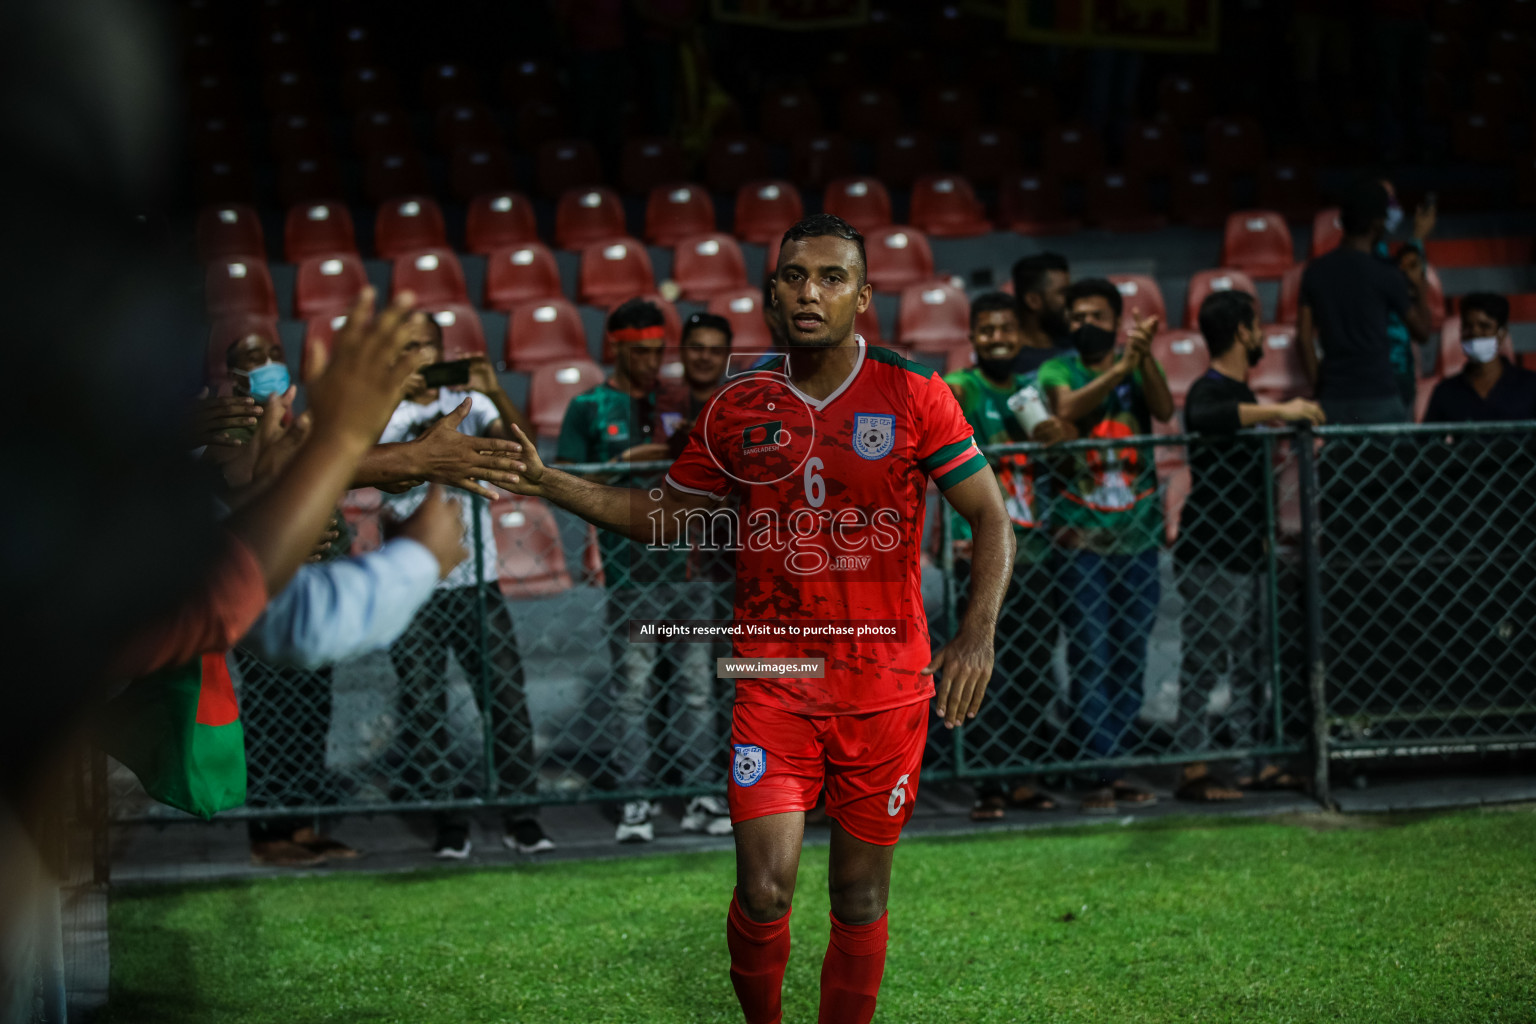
x: 1188, y: 25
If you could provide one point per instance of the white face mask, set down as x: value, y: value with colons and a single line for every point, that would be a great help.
x: 1481, y: 350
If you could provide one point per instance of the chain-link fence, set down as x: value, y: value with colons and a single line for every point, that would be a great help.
x: 1253, y: 599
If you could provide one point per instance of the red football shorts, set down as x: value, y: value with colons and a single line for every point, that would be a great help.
x: 869, y: 764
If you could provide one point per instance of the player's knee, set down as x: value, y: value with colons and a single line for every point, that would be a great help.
x: 765, y: 898
x: 857, y: 902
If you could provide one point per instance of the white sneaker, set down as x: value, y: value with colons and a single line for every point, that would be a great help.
x: 708, y: 814
x: 635, y: 824
x: 526, y: 835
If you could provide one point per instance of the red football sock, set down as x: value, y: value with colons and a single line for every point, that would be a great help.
x: 851, y: 973
x: 758, y: 955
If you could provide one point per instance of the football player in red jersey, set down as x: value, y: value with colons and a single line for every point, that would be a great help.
x: 829, y: 449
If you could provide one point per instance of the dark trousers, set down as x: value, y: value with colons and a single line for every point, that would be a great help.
x: 1225, y: 632
x: 1012, y: 725
x: 286, y: 715
x: 451, y: 619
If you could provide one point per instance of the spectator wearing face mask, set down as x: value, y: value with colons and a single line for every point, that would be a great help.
x: 1108, y: 526
x: 1491, y: 387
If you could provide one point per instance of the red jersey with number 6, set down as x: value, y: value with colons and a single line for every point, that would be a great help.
x: 830, y: 523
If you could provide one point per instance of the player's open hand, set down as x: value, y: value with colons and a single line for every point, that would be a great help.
x: 458, y: 460
x: 527, y: 467
x: 964, y: 666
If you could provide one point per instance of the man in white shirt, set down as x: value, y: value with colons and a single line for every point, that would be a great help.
x: 452, y: 619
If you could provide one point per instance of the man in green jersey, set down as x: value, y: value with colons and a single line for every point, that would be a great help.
x: 1012, y: 724
x: 1107, y: 523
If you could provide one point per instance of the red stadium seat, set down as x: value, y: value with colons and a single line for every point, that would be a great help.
x: 789, y: 113
x: 394, y: 173
x: 1183, y: 357
x: 382, y: 130
x: 1258, y: 243
x: 477, y: 170
x: 648, y: 163
x: 869, y: 114
x: 1279, y: 375
x: 1290, y: 295
x: 519, y: 274
x: 539, y: 122
x: 1151, y: 148
x: 1452, y: 360
x: 1181, y: 101
x: 406, y: 224
x: 959, y: 359
x: 306, y: 179
x: 1207, y: 281
x: 449, y: 81
x: 898, y: 255
x: 544, y: 332
x: 313, y: 229
x: 817, y: 159
x: 1496, y: 93
x: 498, y: 220
x: 589, y: 215
x: 1028, y: 108
x: 433, y: 275
x: 530, y: 79
x: 553, y: 386
x: 948, y: 109
x: 904, y: 156
x: 214, y: 94
x: 1140, y: 296
x: 289, y: 90
x: 238, y: 284
x: 566, y: 164
x: 1199, y: 198
x: 1481, y: 252
x: 465, y: 125
x: 1327, y: 232
x: 708, y: 265
x: 734, y: 160
x: 1031, y: 204
x: 1479, y: 137
x: 530, y: 561
x: 743, y: 308
x: 1436, y: 297
x: 862, y: 202
x: 945, y: 206
x: 300, y: 134
x: 319, y: 330
x: 766, y: 209
x: 934, y: 316
x: 463, y: 334
x: 1117, y: 201
x: 229, y: 229
x: 1510, y: 52
x: 1073, y: 151
x: 987, y: 155
x: 672, y: 325
x: 613, y: 271
x: 676, y: 211
x: 1234, y: 144
x: 227, y: 330
x: 327, y: 284
x: 1290, y: 187
x: 368, y: 85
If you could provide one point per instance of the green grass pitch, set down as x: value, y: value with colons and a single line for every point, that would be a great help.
x: 1245, y: 920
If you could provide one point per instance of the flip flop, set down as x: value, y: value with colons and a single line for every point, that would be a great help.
x: 1203, y: 790
x: 988, y: 808
x: 1126, y: 793
x: 1036, y: 801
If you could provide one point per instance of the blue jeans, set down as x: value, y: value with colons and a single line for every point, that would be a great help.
x: 1108, y: 606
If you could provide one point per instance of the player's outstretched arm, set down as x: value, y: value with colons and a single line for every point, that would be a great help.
x: 965, y: 663
x: 652, y: 516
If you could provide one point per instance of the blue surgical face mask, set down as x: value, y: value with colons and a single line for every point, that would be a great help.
x: 1394, y: 217
x: 267, y: 380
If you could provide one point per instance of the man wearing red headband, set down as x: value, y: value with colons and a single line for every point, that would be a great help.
x: 621, y: 420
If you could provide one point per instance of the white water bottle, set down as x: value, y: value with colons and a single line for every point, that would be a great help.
x: 1028, y: 408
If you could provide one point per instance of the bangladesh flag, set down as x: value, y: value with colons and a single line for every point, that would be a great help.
x: 179, y: 731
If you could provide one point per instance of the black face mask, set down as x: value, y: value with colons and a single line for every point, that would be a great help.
x: 996, y: 369
x: 1255, y: 355
x: 1093, y: 343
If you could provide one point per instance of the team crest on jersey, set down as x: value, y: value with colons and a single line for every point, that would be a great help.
x: 873, y: 435
x: 748, y: 764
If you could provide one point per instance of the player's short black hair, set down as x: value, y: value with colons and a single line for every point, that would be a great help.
x: 1029, y: 273
x: 1496, y: 306
x: 991, y: 302
x: 1090, y: 286
x: 1363, y: 205
x: 822, y: 225
x: 707, y: 320
x: 1221, y: 314
x: 636, y: 313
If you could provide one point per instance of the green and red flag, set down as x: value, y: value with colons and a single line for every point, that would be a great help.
x: 179, y: 731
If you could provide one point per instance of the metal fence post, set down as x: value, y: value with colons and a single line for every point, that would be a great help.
x: 1312, y: 599
x: 488, y: 732
x: 1272, y: 585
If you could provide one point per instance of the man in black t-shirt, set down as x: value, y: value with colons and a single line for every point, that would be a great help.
x: 1040, y: 296
x: 1219, y: 557
x: 1348, y: 297
x: 1491, y: 388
